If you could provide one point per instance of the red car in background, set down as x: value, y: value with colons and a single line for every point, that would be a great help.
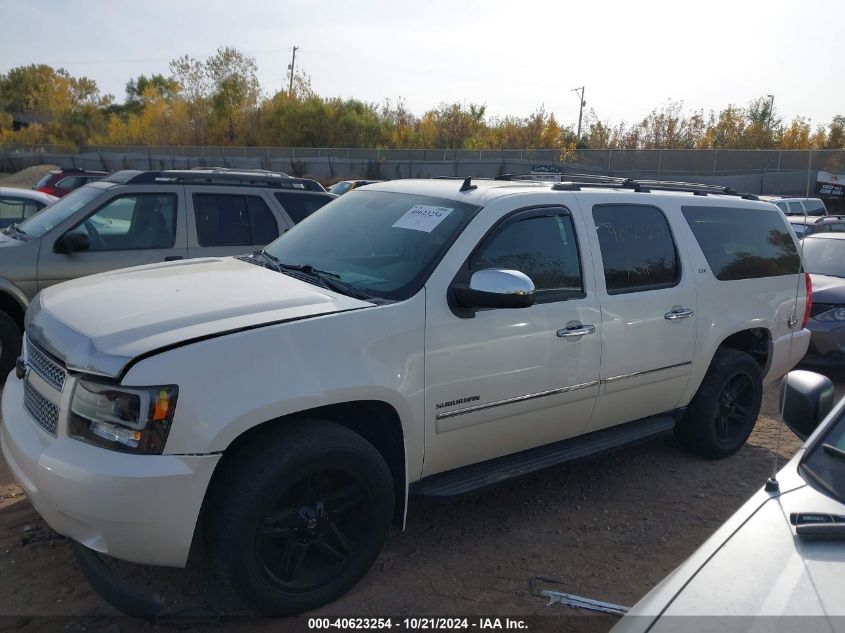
x: 62, y: 181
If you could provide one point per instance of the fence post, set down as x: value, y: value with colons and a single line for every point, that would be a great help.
x: 715, y: 161
x: 609, y: 161
x: 809, y: 169
x: 659, y: 161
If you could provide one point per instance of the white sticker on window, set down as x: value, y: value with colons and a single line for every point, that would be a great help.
x: 422, y: 217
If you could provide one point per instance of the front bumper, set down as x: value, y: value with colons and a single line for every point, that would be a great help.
x: 140, y: 508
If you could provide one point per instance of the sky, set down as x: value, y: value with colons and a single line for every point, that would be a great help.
x: 513, y: 57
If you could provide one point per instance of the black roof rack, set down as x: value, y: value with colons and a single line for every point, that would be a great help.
x: 233, y: 177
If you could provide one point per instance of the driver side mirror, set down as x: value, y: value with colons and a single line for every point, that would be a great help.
x: 71, y: 243
x: 806, y: 399
x: 495, y: 288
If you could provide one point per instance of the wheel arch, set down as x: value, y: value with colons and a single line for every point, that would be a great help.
x: 13, y: 301
x: 376, y: 421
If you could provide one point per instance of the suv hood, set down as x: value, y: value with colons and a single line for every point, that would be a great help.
x: 98, y: 324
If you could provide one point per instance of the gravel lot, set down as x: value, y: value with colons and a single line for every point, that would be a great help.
x: 608, y: 528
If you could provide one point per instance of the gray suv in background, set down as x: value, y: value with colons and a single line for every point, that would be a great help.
x: 133, y: 218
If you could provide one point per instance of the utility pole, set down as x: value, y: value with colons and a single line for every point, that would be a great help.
x: 580, y: 92
x: 291, y: 68
x: 771, y: 107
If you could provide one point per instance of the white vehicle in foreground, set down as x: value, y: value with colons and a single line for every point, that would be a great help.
x: 782, y: 555
x: 414, y: 337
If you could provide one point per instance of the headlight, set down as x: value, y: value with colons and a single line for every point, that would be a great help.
x: 130, y: 419
x: 834, y: 314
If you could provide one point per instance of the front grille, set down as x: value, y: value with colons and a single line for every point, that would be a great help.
x: 44, y: 412
x: 43, y: 365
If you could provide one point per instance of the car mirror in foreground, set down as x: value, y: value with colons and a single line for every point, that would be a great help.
x: 806, y: 399
x: 494, y: 288
x: 72, y: 243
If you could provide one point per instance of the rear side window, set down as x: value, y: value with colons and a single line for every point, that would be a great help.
x: 71, y: 182
x: 233, y: 220
x: 782, y: 207
x: 743, y: 243
x: 795, y: 208
x: 542, y: 247
x: 637, y: 248
x: 299, y: 206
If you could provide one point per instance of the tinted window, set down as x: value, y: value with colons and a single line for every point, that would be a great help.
x: 782, y: 206
x: 131, y: 222
x: 743, y: 243
x: 637, y: 248
x: 71, y: 182
x: 233, y: 220
x: 300, y: 206
x: 544, y: 248
x: 795, y: 208
x: 13, y: 210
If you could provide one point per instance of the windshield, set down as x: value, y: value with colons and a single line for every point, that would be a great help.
x: 340, y: 187
x: 824, y: 465
x: 824, y: 256
x: 58, y: 212
x: 384, y: 244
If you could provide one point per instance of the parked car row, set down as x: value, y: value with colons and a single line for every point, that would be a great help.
x: 413, y: 338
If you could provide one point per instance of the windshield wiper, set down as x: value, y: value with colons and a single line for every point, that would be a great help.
x: 833, y: 451
x: 270, y: 259
x: 13, y: 231
x: 329, y: 280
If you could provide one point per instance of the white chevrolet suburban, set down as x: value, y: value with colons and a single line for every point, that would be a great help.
x: 411, y: 338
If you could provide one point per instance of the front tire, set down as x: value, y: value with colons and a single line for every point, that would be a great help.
x: 724, y: 410
x: 298, y: 516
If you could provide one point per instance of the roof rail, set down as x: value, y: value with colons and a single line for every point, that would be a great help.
x: 646, y: 186
x: 243, y: 177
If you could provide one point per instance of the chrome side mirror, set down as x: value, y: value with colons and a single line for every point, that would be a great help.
x: 806, y: 398
x: 495, y: 288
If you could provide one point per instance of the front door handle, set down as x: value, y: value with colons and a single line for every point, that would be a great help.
x: 678, y: 313
x: 173, y: 258
x: 575, y: 331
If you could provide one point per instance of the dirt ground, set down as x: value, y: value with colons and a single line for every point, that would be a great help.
x: 26, y: 178
x: 608, y: 528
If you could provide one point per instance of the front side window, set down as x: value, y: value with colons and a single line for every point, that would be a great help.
x: 815, y: 207
x: 14, y: 210
x: 542, y: 247
x: 233, y: 220
x: 743, y: 243
x: 637, y: 248
x: 131, y: 222
x: 384, y: 244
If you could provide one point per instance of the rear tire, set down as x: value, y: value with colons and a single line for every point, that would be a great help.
x: 298, y: 515
x: 724, y: 410
x: 10, y: 344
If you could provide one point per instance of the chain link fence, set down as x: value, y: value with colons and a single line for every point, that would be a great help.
x: 756, y: 171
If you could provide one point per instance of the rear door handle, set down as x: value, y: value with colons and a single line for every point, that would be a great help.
x: 678, y: 313
x: 576, y: 331
x: 173, y: 258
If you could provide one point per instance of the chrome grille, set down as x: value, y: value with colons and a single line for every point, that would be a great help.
x: 45, y: 366
x: 44, y: 412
